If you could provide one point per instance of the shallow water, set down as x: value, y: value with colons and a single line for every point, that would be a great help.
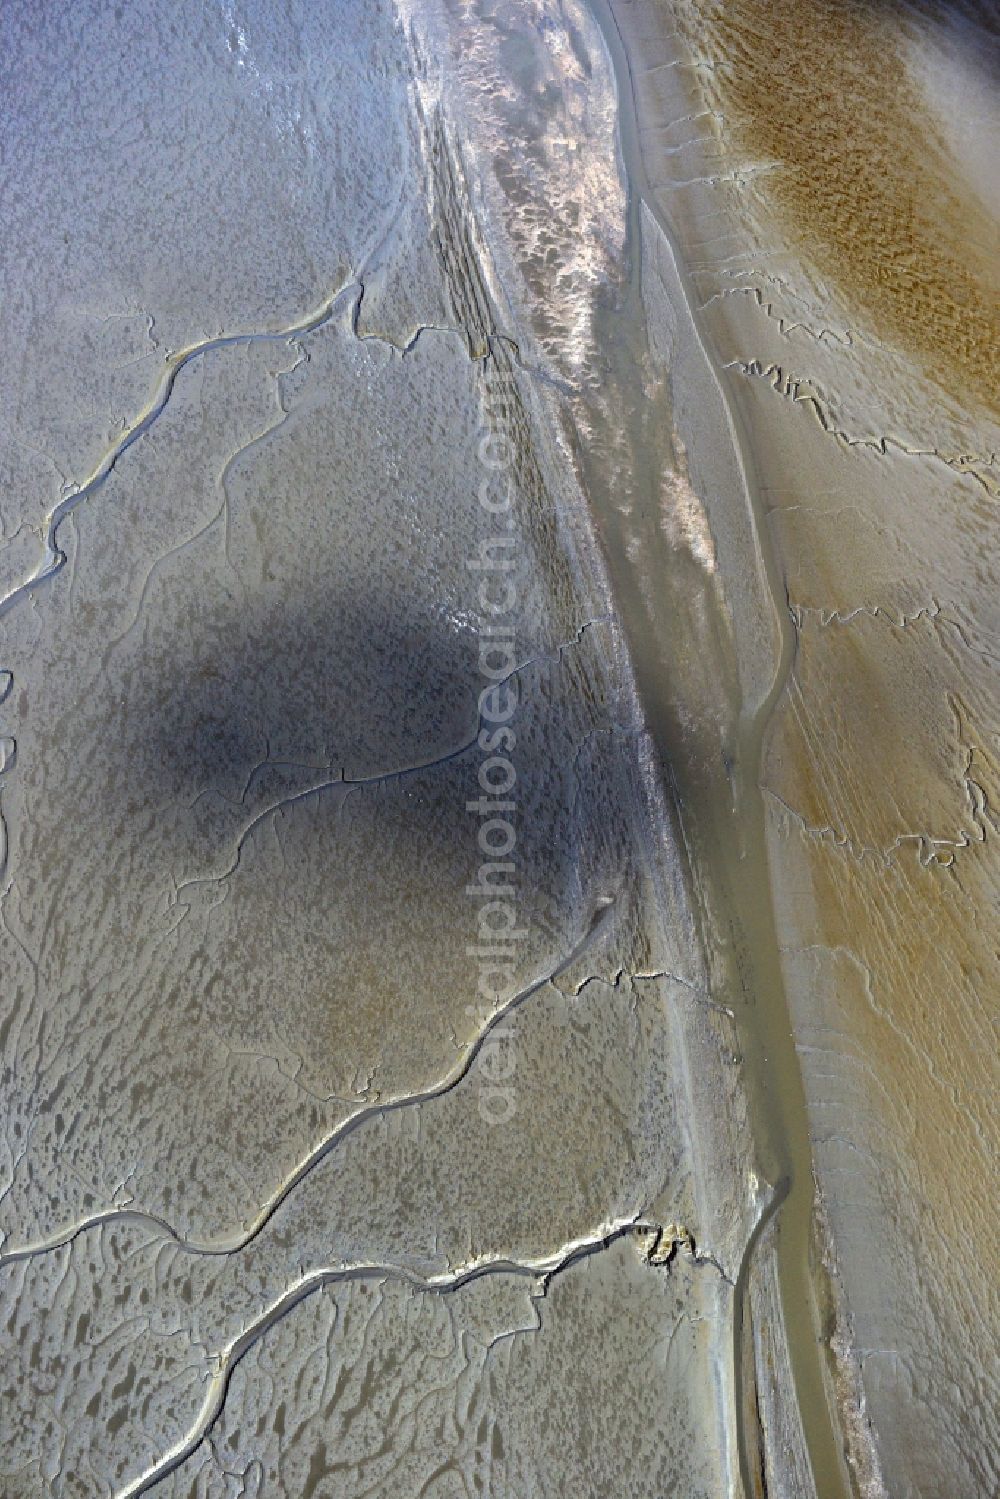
x: 813, y: 231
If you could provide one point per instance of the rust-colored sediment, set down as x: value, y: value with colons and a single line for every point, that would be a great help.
x: 862, y: 175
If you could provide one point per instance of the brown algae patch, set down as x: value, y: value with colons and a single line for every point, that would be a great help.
x: 820, y: 93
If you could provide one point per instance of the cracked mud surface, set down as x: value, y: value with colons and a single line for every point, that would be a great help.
x: 498, y: 760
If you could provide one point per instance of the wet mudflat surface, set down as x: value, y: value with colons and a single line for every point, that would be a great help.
x: 370, y: 1124
x: 822, y: 172
x: 498, y: 704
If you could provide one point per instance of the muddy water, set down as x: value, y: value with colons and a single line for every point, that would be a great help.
x: 822, y: 168
x: 708, y: 690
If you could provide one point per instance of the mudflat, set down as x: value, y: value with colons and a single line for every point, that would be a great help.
x: 498, y: 750
x: 822, y: 169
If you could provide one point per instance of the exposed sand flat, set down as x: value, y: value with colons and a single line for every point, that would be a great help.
x: 844, y: 248
x: 823, y: 99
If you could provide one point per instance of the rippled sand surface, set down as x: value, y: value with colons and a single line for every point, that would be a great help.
x: 825, y: 101
x: 824, y: 169
x: 498, y: 750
